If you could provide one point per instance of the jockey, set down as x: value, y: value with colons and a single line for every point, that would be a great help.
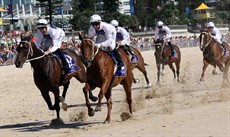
x: 105, y: 36
x: 122, y: 38
x: 216, y: 35
x: 162, y: 31
x: 53, y: 37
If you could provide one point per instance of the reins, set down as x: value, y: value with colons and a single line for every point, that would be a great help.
x: 203, y: 33
x: 93, y: 45
x: 30, y: 53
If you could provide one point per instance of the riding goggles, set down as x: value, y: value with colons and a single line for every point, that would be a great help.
x: 95, y: 23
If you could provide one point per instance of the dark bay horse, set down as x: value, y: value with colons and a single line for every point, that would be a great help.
x: 140, y: 65
x: 100, y: 73
x: 163, y: 57
x: 47, y: 71
x: 213, y: 54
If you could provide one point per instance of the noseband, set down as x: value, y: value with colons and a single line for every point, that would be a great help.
x: 93, y: 44
x: 201, y: 40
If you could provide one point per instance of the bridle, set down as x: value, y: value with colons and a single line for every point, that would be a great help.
x: 93, y: 43
x: 201, y: 40
x: 30, y: 52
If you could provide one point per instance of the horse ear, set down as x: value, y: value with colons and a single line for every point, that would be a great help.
x: 80, y: 36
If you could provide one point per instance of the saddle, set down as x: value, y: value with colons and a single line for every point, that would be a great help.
x: 133, y: 58
x: 167, y: 47
x: 118, y: 72
x: 73, y: 67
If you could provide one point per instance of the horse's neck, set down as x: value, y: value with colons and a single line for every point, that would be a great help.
x: 36, y: 51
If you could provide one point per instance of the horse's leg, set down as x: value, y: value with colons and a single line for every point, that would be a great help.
x: 134, y: 80
x: 214, y: 72
x: 82, y: 78
x: 104, y: 89
x: 173, y: 69
x: 46, y: 96
x: 127, y: 87
x: 178, y: 70
x: 162, y: 70
x: 141, y: 67
x: 109, y: 105
x: 86, y: 89
x: 158, y: 72
x: 56, y: 92
x: 62, y: 98
x: 225, y: 74
x: 92, y: 97
x: 205, y: 65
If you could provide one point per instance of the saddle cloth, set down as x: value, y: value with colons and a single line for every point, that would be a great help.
x: 118, y: 72
x: 73, y: 67
x: 171, y: 55
x: 134, y: 59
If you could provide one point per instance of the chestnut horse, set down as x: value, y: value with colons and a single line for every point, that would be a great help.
x: 100, y: 73
x: 47, y: 71
x: 213, y: 54
x: 140, y: 65
x: 163, y: 57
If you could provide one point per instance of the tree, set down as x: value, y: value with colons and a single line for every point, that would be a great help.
x: 110, y: 6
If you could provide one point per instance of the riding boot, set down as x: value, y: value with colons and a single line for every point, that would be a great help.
x: 118, y: 57
x: 225, y: 50
x: 171, y: 48
x: 63, y: 60
x: 130, y: 52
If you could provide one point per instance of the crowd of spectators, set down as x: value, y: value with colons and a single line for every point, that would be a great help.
x: 10, y: 40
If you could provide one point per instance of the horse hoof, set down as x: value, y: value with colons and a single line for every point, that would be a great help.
x: 64, y: 106
x: 106, y: 121
x: 56, y: 122
x: 94, y: 99
x: 149, y: 86
x: 137, y: 80
x: 214, y: 72
x: 98, y: 108
x: 91, y: 112
x: 201, y: 79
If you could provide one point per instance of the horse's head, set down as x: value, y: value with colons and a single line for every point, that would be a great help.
x: 205, y: 39
x: 88, y: 50
x: 24, y: 49
x: 159, y: 47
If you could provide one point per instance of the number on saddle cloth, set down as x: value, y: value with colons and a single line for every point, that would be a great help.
x: 118, y: 72
x: 72, y: 65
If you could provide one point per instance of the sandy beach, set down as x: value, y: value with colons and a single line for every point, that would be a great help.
x: 189, y: 108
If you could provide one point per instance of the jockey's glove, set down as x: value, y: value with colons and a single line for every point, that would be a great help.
x: 98, y: 45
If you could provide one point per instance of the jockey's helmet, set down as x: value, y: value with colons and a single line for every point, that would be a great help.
x: 42, y: 23
x: 95, y: 18
x: 114, y: 23
x: 210, y: 25
x: 160, y: 23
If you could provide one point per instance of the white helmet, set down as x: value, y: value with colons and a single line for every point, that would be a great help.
x: 95, y: 18
x: 114, y: 23
x: 160, y: 23
x: 42, y: 23
x: 210, y: 25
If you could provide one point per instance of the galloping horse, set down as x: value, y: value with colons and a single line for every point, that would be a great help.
x: 213, y: 54
x: 47, y: 71
x: 100, y: 73
x: 140, y: 65
x: 163, y: 57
